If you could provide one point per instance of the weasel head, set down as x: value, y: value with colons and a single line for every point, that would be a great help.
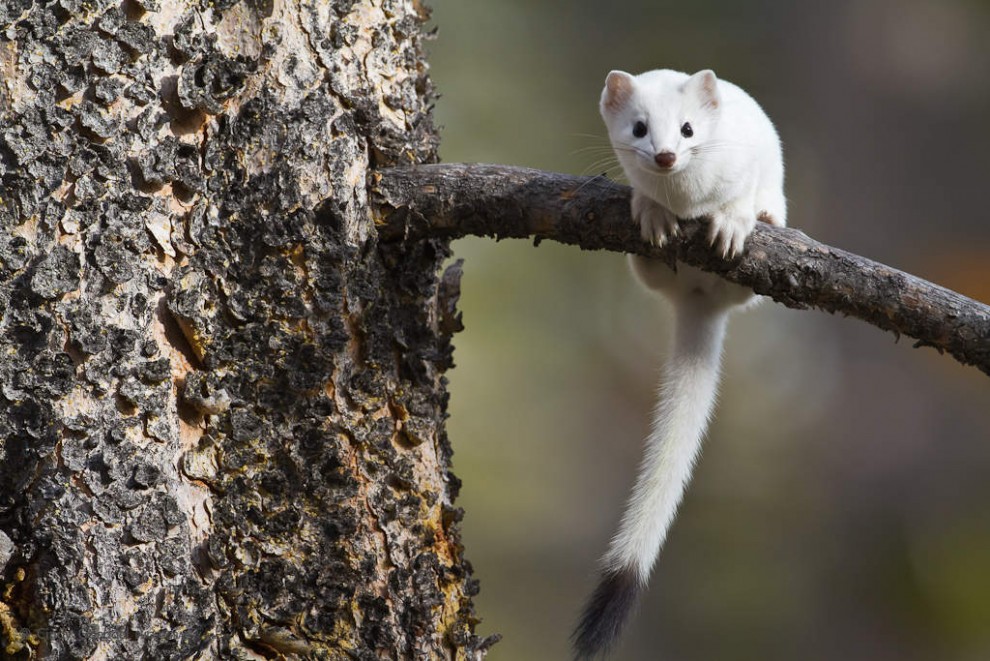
x: 659, y: 121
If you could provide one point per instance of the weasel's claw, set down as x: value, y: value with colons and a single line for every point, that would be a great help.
x: 656, y: 224
x: 667, y: 232
x: 728, y: 236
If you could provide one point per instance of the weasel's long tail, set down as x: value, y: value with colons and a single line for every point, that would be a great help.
x: 687, y: 396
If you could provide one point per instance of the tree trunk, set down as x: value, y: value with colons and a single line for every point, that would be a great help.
x: 221, y: 399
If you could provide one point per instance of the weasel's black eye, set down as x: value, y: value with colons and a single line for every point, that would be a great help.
x: 639, y: 129
x: 686, y: 130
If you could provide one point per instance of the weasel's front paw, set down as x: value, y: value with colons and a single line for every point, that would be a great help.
x: 727, y: 233
x: 656, y: 223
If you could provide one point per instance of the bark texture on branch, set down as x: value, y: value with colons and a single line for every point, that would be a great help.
x: 455, y: 200
x: 222, y: 402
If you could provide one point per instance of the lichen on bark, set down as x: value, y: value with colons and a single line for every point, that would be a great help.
x: 222, y: 400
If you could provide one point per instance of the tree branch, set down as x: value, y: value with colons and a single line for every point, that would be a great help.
x: 456, y: 200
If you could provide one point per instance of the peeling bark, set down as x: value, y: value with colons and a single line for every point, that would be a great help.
x: 222, y: 399
x: 454, y: 200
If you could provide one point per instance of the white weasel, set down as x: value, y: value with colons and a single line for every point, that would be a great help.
x: 692, y: 147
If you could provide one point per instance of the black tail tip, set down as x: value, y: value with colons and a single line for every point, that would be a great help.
x: 606, y: 613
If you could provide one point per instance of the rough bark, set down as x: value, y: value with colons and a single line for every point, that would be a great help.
x: 221, y: 399
x: 455, y: 200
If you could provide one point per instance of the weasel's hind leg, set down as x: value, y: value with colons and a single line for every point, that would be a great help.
x: 771, y: 207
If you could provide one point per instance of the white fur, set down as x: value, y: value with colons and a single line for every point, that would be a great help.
x: 730, y: 171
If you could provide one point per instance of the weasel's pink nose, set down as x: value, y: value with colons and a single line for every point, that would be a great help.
x: 665, y: 159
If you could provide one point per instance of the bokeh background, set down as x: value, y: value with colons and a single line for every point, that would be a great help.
x: 842, y: 507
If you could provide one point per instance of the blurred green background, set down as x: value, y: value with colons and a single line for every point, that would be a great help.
x: 842, y: 507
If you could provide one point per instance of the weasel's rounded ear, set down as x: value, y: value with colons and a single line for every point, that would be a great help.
x: 704, y: 87
x: 618, y: 90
